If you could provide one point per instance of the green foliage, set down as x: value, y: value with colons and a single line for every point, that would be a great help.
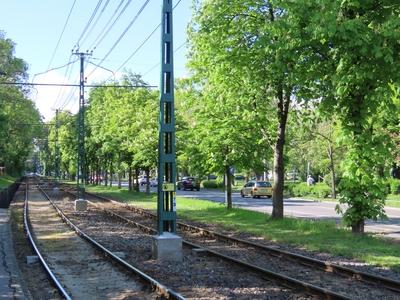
x: 212, y: 184
x: 359, y: 43
x: 319, y: 190
x: 394, y: 185
x: 20, y: 121
x: 6, y: 180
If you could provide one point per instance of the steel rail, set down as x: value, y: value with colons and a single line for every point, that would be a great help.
x: 53, y: 278
x: 388, y: 283
x: 282, y: 279
x: 158, y: 287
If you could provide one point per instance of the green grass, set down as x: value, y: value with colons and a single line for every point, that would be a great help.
x: 393, y: 200
x: 123, y: 195
x: 313, y: 235
x: 5, y: 181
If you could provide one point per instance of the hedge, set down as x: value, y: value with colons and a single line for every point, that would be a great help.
x: 394, y: 186
x: 212, y: 184
x: 320, y: 190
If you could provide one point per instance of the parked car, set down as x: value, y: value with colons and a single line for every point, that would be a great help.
x: 189, y: 183
x: 239, y: 177
x: 153, y: 182
x: 142, y: 180
x: 96, y: 178
x: 257, y: 189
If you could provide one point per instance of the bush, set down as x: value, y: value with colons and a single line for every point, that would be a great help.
x: 212, y: 184
x: 301, y: 189
x: 394, y: 186
x: 288, y: 188
x: 320, y: 190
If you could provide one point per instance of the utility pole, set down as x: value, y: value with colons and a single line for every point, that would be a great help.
x: 167, y: 245
x: 57, y: 150
x: 81, y: 168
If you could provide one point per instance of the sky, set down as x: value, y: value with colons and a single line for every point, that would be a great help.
x: 36, y: 26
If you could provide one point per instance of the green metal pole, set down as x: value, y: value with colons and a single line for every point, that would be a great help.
x: 80, y: 180
x: 57, y: 150
x: 166, y: 203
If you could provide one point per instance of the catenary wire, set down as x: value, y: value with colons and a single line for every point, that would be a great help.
x: 112, y: 25
x: 89, y: 22
x: 157, y: 64
x: 106, y: 25
x: 61, y: 91
x: 95, y: 22
x: 61, y: 35
x: 144, y: 42
x: 56, y: 68
x: 123, y: 34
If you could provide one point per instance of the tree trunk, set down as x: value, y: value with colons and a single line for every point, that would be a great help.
x: 136, y: 180
x: 147, y: 172
x: 105, y: 174
x: 119, y: 180
x: 333, y: 183
x: 111, y: 172
x: 358, y: 227
x: 279, y: 168
x: 130, y: 179
x: 228, y: 188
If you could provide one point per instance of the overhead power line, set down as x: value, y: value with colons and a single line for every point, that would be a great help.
x: 62, y: 33
x: 56, y: 68
x: 157, y: 64
x: 95, y: 22
x: 67, y: 76
x: 143, y: 43
x: 89, y: 22
x: 102, y: 35
x: 123, y: 34
x: 138, y: 48
x: 76, y: 85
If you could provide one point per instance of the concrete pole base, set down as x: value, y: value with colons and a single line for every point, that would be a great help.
x: 80, y: 205
x: 167, y: 247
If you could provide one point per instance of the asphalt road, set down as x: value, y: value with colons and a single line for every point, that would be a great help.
x: 300, y: 208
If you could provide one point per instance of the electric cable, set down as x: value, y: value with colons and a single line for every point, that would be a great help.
x: 157, y: 64
x: 112, y: 25
x: 56, y: 68
x: 144, y: 42
x: 106, y: 25
x: 67, y: 76
x: 95, y: 22
x: 123, y: 33
x: 62, y: 33
x: 89, y: 22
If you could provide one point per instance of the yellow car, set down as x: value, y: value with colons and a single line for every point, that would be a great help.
x: 256, y: 189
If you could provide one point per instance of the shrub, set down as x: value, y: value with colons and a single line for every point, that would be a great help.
x: 288, y: 188
x: 394, y: 185
x: 212, y: 184
x: 320, y: 190
x: 300, y: 189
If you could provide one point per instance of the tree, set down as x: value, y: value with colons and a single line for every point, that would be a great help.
x: 20, y: 121
x: 359, y: 43
x: 259, y: 52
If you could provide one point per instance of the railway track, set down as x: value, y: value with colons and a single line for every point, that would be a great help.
x: 198, y: 276
x: 78, y: 270
x: 327, y: 280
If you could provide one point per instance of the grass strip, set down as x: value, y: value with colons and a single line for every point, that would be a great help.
x: 6, y: 180
x: 314, y: 235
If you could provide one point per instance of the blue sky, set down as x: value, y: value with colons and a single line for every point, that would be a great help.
x: 35, y: 27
